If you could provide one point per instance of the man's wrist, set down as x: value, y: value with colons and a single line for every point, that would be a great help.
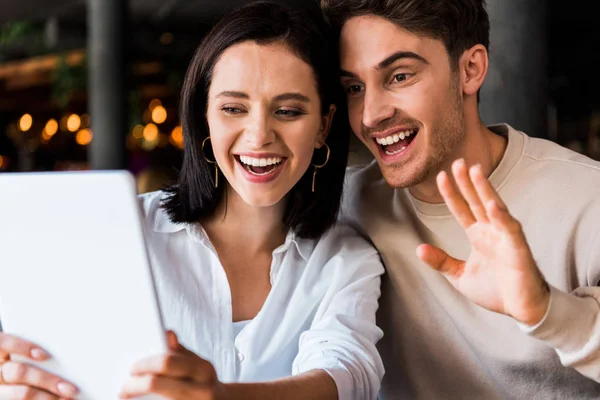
x: 540, y: 308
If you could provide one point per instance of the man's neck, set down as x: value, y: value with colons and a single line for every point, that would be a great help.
x: 480, y: 146
x: 235, y: 224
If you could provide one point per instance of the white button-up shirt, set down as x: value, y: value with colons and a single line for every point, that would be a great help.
x: 319, y: 314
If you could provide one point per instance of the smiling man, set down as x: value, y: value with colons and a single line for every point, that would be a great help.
x: 491, y: 238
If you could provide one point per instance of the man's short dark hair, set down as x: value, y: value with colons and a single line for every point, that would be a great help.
x: 459, y: 24
x: 194, y: 197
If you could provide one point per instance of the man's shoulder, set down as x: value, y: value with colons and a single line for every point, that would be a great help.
x: 359, y: 177
x: 367, y: 195
x: 557, y: 170
x: 557, y: 157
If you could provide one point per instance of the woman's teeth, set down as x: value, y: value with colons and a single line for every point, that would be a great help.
x: 395, y: 138
x: 259, y: 162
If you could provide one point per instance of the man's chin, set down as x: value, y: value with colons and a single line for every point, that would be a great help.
x: 401, y: 177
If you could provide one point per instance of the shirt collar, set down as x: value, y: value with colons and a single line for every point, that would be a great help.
x: 163, y: 224
x: 303, y: 246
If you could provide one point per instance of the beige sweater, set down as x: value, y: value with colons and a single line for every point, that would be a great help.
x: 437, y: 344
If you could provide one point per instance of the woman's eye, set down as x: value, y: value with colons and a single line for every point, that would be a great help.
x: 232, y: 110
x: 288, y: 113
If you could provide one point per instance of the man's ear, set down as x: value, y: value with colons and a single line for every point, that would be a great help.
x: 473, y: 67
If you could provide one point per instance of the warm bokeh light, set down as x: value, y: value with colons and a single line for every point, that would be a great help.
x: 51, y: 128
x: 84, y: 137
x: 1, y: 162
x: 73, y: 122
x: 25, y: 122
x: 150, y: 133
x: 176, y: 138
x: 154, y: 103
x: 159, y: 114
x: 138, y: 131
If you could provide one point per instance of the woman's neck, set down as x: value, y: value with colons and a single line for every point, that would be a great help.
x: 236, y: 224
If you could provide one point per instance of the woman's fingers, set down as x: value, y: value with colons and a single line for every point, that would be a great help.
x: 25, y: 392
x: 19, y: 374
x: 14, y: 345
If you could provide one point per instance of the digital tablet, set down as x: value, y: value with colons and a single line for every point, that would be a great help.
x: 75, y: 276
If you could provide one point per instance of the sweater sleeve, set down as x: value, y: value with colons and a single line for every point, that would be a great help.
x: 572, y: 327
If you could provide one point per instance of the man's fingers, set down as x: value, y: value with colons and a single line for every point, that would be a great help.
x: 455, y: 201
x: 484, y: 188
x: 467, y: 189
x: 439, y: 260
x: 504, y: 222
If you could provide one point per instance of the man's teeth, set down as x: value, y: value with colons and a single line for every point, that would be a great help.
x: 259, y: 162
x: 391, y: 153
x: 395, y: 138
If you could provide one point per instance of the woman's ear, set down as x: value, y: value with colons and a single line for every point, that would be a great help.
x: 326, y: 121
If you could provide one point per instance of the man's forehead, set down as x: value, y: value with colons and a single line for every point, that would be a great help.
x: 365, y: 41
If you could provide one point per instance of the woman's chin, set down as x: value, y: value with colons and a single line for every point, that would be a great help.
x: 262, y: 200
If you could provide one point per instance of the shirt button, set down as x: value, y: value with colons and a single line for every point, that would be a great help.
x: 240, y: 356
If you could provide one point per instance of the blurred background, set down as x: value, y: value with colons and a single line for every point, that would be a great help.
x: 94, y: 84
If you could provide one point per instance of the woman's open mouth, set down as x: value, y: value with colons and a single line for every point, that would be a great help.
x: 260, y: 166
x: 261, y: 169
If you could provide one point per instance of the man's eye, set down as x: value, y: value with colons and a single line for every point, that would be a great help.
x: 353, y: 89
x: 400, y: 77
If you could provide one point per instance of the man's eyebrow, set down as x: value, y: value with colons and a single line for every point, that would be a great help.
x: 399, y: 56
x: 387, y: 62
x: 348, y: 74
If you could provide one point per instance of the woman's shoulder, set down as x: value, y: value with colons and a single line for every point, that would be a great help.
x: 151, y: 202
x: 156, y: 218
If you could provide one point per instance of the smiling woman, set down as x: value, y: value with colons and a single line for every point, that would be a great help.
x: 298, y: 94
x: 263, y: 136
x: 267, y: 296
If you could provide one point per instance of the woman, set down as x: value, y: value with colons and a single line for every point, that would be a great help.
x: 267, y: 297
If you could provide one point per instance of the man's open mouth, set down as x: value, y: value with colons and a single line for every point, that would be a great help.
x: 397, y: 142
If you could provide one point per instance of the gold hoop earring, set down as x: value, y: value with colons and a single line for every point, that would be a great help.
x: 317, y: 166
x: 211, y: 162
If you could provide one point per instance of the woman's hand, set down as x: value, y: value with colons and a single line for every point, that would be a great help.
x: 177, y: 375
x: 22, y: 381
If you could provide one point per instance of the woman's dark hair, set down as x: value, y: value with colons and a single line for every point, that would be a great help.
x: 194, y: 196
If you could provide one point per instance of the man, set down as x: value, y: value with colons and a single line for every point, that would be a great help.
x: 509, y: 224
